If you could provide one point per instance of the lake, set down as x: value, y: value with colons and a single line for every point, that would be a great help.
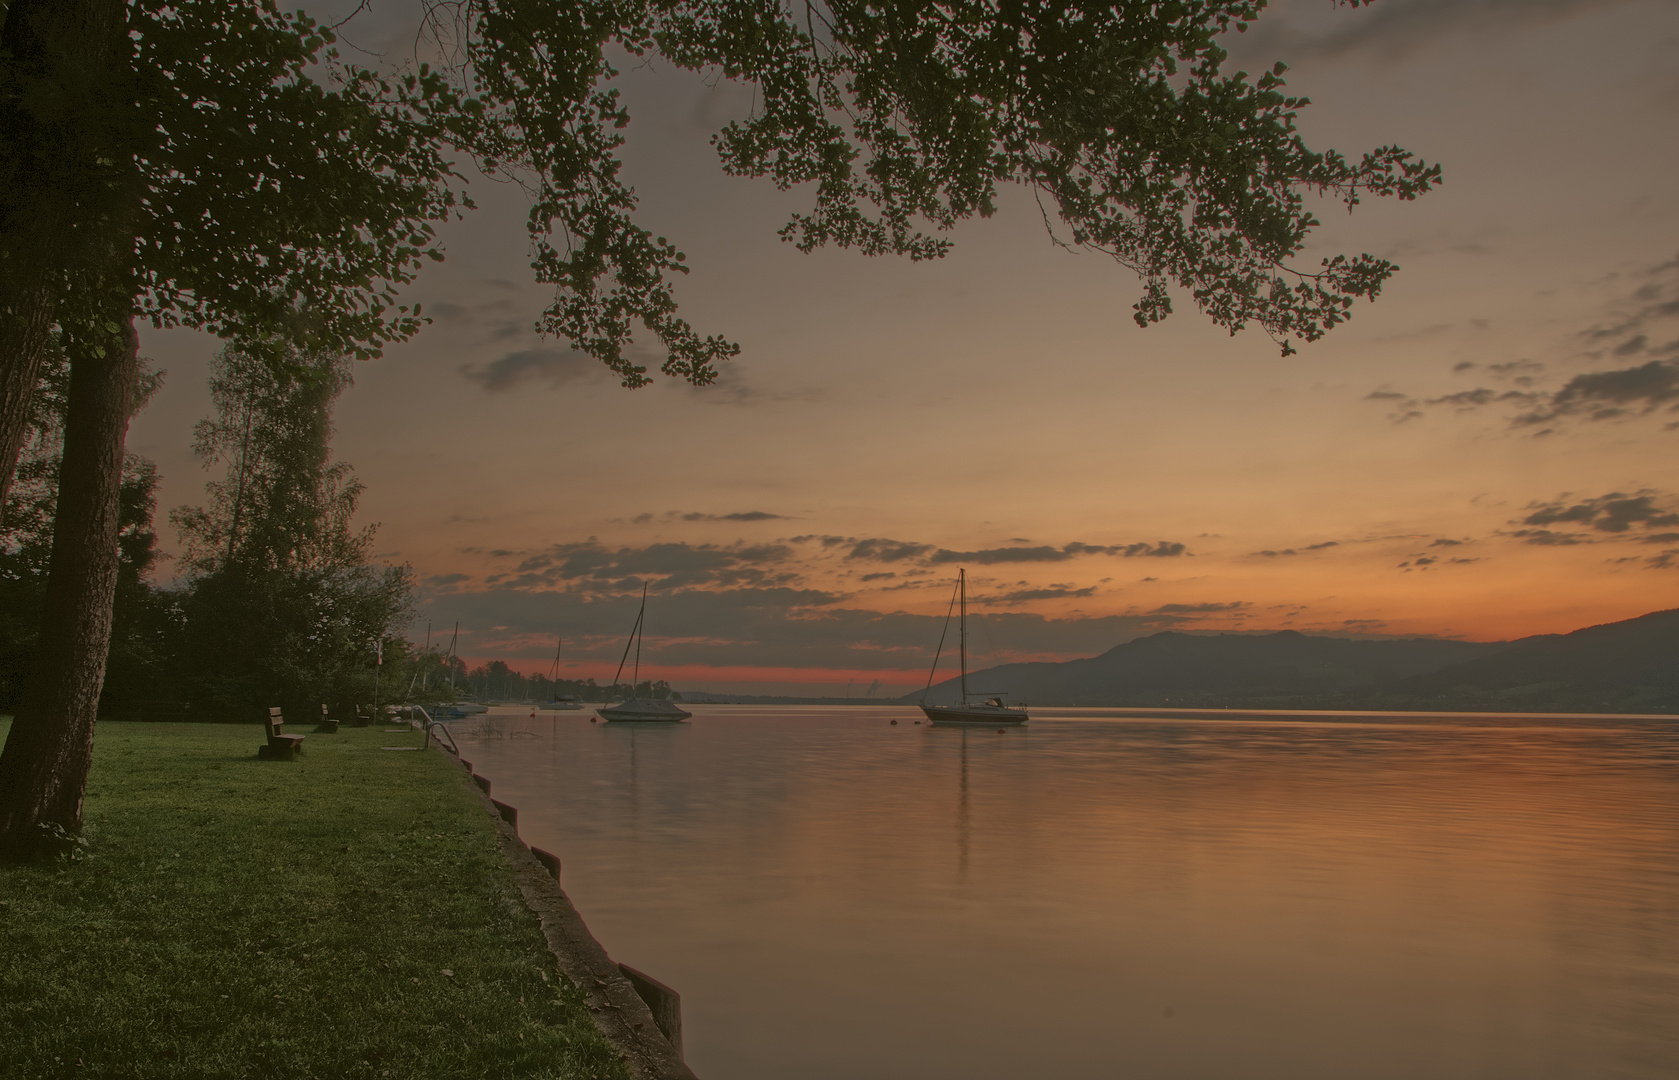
x: 1102, y: 895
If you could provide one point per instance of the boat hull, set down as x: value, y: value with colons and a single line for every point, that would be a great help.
x: 643, y: 712
x: 973, y: 715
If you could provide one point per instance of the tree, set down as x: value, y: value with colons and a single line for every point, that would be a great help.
x: 283, y: 605
x: 191, y: 164
x: 180, y: 163
x: 26, y: 529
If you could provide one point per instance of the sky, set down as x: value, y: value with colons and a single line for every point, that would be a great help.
x: 1485, y: 452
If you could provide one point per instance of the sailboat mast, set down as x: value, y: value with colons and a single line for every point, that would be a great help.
x: 635, y: 631
x: 635, y: 679
x: 962, y: 629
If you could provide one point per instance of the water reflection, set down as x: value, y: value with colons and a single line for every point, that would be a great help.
x: 1130, y: 895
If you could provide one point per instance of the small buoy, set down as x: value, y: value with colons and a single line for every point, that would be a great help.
x: 591, y: 719
x: 918, y: 723
x: 999, y: 731
x: 894, y: 723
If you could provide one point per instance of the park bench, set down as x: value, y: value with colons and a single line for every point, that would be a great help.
x: 279, y: 745
x: 327, y: 726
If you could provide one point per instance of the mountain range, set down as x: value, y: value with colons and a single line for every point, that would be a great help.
x: 1630, y: 666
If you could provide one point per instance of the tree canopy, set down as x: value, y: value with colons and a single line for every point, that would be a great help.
x: 218, y: 164
x: 281, y: 192
x: 904, y: 119
x: 283, y: 602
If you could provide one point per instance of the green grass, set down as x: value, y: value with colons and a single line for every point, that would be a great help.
x: 343, y: 915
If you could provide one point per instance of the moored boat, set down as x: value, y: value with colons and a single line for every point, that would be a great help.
x: 991, y: 712
x: 639, y: 710
x: 559, y: 703
x: 643, y: 710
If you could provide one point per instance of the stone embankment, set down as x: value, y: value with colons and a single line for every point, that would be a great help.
x: 636, y: 1013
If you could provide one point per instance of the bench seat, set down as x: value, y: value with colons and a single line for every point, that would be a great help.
x: 279, y: 745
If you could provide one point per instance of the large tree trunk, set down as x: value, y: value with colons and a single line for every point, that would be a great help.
x: 43, y: 770
x: 66, y: 129
x: 25, y: 328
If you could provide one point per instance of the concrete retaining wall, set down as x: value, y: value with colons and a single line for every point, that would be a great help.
x: 639, y: 1015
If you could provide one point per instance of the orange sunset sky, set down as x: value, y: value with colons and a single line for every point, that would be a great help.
x: 1485, y: 452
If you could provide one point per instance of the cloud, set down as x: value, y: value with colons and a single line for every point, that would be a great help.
x: 1021, y: 596
x: 697, y: 515
x: 731, y: 387
x: 993, y: 556
x: 885, y: 550
x: 878, y: 549
x: 1278, y: 553
x: 1667, y: 560
x: 1627, y: 331
x: 1394, y: 31
x: 1046, y: 554
x: 596, y: 568
x: 1468, y: 400
x: 1547, y: 538
x: 1605, y: 395
x: 1198, y: 609
x: 1404, y: 406
x: 767, y: 627
x: 1612, y: 513
x: 555, y: 366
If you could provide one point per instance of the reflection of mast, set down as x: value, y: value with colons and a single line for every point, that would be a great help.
x: 635, y: 789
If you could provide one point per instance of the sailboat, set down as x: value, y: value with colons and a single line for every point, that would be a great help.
x: 457, y: 710
x: 559, y: 704
x: 988, y: 713
x: 655, y: 710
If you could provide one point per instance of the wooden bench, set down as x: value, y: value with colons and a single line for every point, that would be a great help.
x: 327, y: 726
x: 279, y: 746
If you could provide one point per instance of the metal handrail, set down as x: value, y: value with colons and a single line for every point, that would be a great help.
x: 439, y: 727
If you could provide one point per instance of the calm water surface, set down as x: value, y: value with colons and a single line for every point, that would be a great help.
x: 1102, y: 896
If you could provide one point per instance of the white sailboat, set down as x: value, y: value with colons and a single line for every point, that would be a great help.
x: 559, y: 704
x: 640, y: 710
x: 457, y: 710
x: 991, y: 712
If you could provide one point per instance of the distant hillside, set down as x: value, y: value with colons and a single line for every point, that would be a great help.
x: 1630, y: 666
x: 1285, y: 669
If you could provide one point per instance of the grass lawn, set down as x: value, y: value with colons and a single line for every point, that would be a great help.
x: 344, y: 915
